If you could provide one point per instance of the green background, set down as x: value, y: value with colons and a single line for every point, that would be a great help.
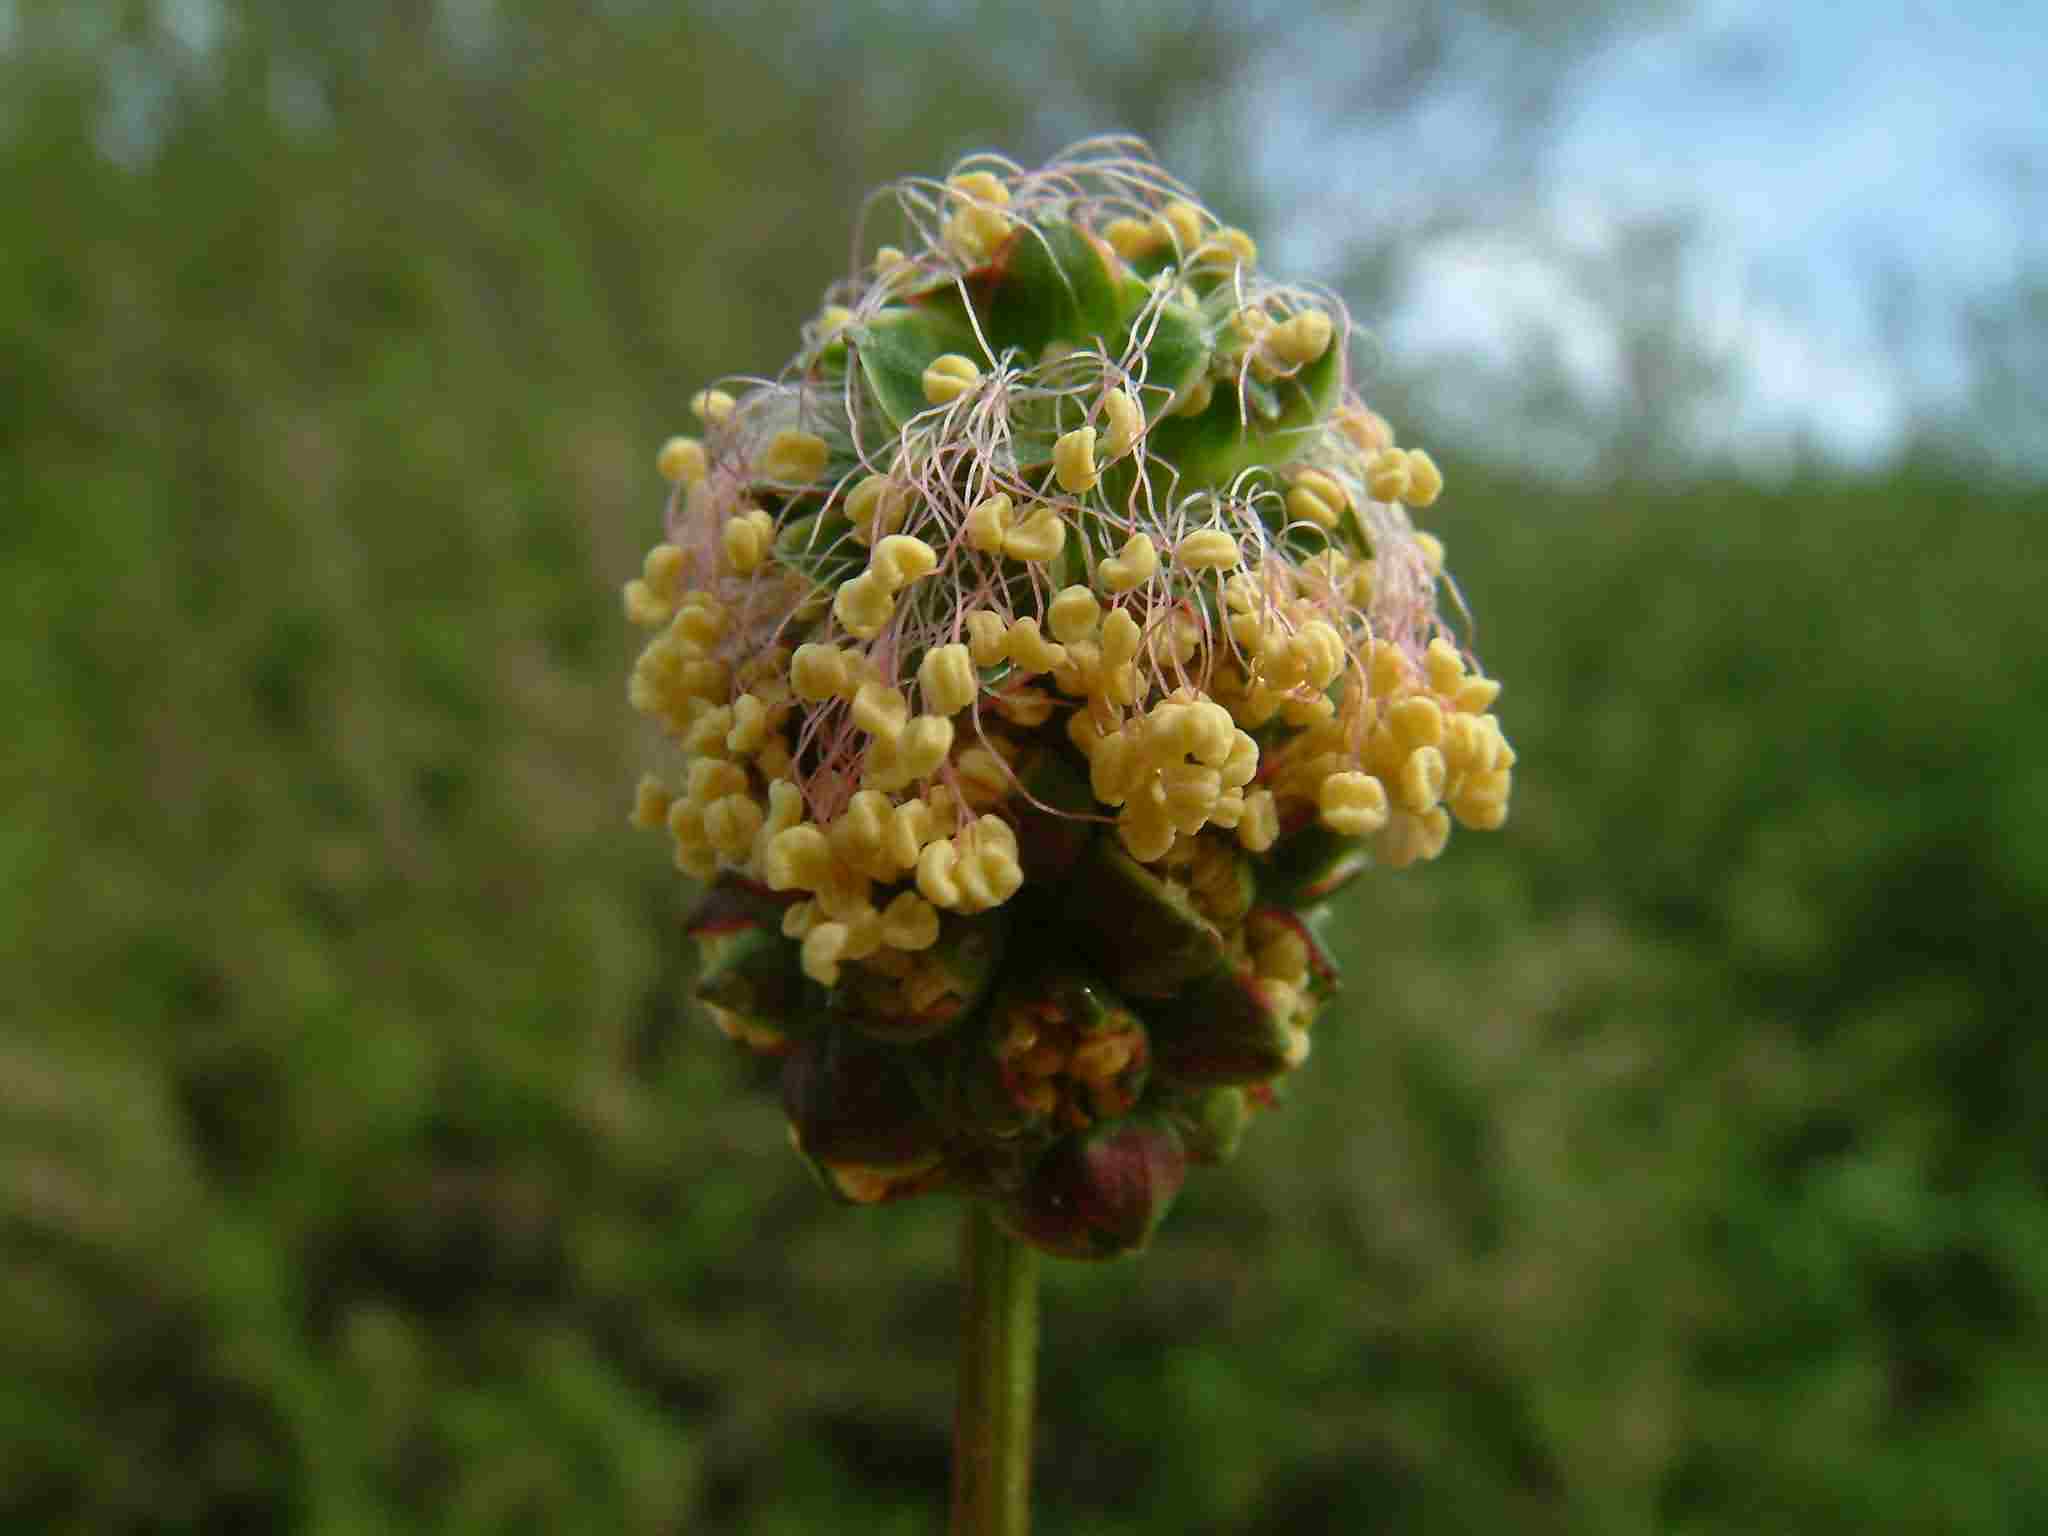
x: 1673, y: 1163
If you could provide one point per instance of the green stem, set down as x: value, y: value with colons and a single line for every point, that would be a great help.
x: 998, y: 1373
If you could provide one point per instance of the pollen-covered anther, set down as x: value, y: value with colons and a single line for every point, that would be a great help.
x: 877, y: 506
x: 1259, y: 825
x: 730, y: 823
x: 864, y: 605
x: 747, y: 540
x: 1301, y: 338
x: 1126, y: 422
x: 752, y: 719
x: 910, y: 922
x: 1133, y: 239
x: 1432, y: 549
x: 1425, y: 480
x: 900, y: 559
x: 949, y: 377
x: 1386, y: 475
x: 682, y: 461
x: 1227, y: 248
x: 988, y: 523
x: 643, y: 607
x: 1188, y: 790
x: 1184, y: 223
x: 712, y: 406
x: 1420, y: 783
x: 1196, y: 397
x: 924, y: 744
x: 1354, y: 804
x: 823, y: 948
x: 988, y: 638
x: 1073, y: 615
x: 1442, y: 664
x: 1366, y: 430
x: 797, y: 858
x: 1317, y: 498
x: 793, y: 458
x: 880, y: 711
x: 978, y: 225
x: 651, y: 800
x: 985, y: 779
x: 1208, y: 549
x: 1029, y: 650
x: 946, y: 680
x: 1073, y: 460
x: 1416, y: 722
x: 1040, y: 537
x: 1131, y: 566
x: 817, y: 672
x: 663, y: 570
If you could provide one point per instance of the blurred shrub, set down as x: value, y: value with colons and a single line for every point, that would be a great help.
x: 1679, y: 1167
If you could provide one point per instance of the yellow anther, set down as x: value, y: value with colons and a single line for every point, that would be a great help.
x: 731, y: 822
x: 899, y: 559
x: 863, y: 605
x: 880, y: 711
x: 985, y: 778
x: 651, y: 800
x: 1073, y: 460
x: 1241, y: 766
x: 705, y: 735
x: 643, y: 607
x: 750, y: 724
x: 1208, y: 549
x: 711, y: 406
x: 1425, y: 480
x: 1131, y: 566
x: 1443, y: 664
x: 1031, y: 651
x: 817, y: 672
x: 1189, y: 791
x: 1367, y: 430
x: 908, y: 829
x: 989, y: 523
x: 1420, y: 783
x: 1121, y: 637
x: 1432, y: 549
x: 1301, y: 338
x: 924, y: 745
x: 910, y: 922
x: 1073, y: 615
x: 1146, y: 830
x: 1228, y: 810
x: 1207, y: 733
x: 662, y: 570
x: 975, y: 230
x: 793, y: 457
x: 877, y: 506
x: 800, y: 918
x: 1184, y: 222
x: 988, y: 638
x: 1126, y: 422
x: 797, y: 859
x: 949, y: 377
x: 1317, y: 498
x: 983, y: 186
x: 823, y: 948
x: 1386, y: 475
x: 936, y: 868
x: 1475, y: 695
x: 747, y: 540
x: 1388, y: 668
x: 832, y: 319
x: 1322, y: 651
x: 701, y: 619
x: 1039, y: 537
x: 888, y: 257
x: 946, y: 679
x: 1114, y: 767
x: 1259, y: 826
x: 1132, y: 239
x: 682, y: 461
x: 712, y: 779
x: 1228, y: 248
x: 1354, y: 804
x: 1300, y: 711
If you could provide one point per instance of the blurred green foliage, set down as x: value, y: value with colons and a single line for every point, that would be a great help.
x: 1676, y: 1166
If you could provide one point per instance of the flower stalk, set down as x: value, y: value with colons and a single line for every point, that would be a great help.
x: 998, y: 1380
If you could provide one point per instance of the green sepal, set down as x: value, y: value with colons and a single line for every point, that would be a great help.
x: 1211, y: 1122
x: 1271, y: 425
x: 1310, y: 865
x: 895, y: 348
x: 1226, y: 1029
x: 1142, y: 932
x: 1177, y: 354
x: 821, y: 545
x: 1052, y: 833
x: 1049, y: 282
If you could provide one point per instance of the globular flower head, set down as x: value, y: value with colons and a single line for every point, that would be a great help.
x: 1038, y: 650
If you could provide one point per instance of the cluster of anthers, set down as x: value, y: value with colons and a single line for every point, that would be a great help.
x: 1064, y: 516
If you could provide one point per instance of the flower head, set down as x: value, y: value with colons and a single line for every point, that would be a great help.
x: 1044, y: 637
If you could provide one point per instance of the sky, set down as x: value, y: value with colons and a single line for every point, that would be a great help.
x: 1824, y: 153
